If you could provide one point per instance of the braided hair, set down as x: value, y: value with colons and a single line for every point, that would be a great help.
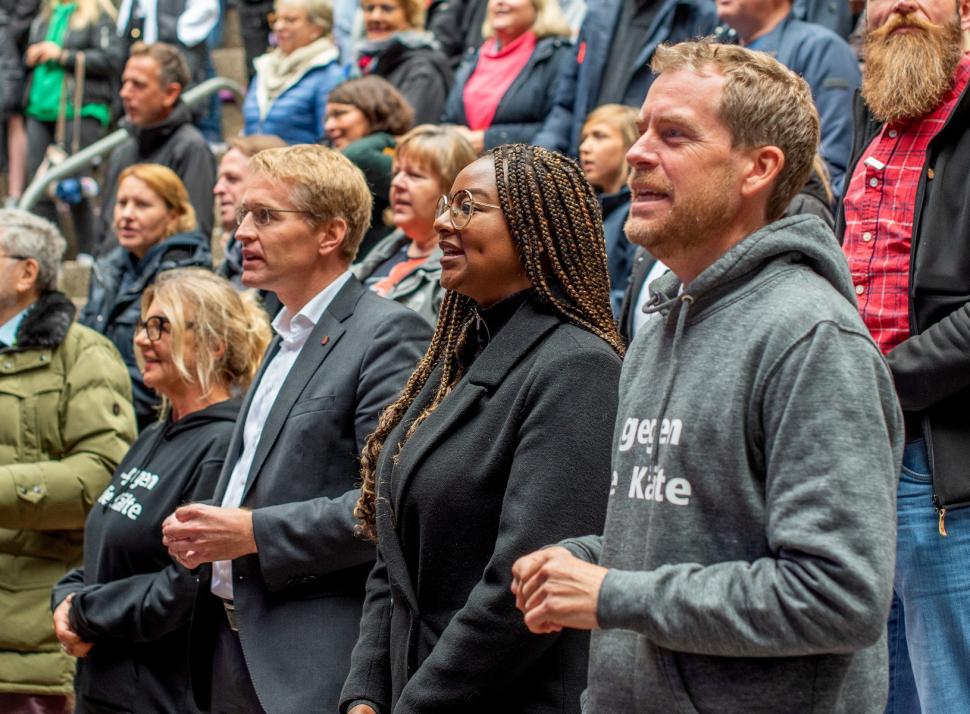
x: 555, y: 222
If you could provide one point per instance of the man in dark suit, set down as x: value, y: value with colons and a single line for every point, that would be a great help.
x: 278, y: 611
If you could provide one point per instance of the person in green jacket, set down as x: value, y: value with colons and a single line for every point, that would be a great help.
x: 66, y: 420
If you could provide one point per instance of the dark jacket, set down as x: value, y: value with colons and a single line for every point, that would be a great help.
x: 15, y: 19
x: 675, y: 21
x: 103, y: 56
x: 619, y: 251
x: 931, y: 369
x: 525, y: 103
x: 114, y: 300
x: 130, y: 598
x: 298, y: 599
x: 65, y: 423
x: 416, y: 67
x: 458, y: 26
x: 515, y: 456
x: 373, y: 155
x: 173, y: 142
x: 420, y: 290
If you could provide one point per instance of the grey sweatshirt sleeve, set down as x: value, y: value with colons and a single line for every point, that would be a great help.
x: 588, y: 548
x: 832, y: 445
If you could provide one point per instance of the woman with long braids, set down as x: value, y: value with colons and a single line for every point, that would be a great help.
x: 499, y: 444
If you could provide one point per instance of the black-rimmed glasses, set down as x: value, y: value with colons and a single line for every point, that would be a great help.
x: 263, y: 215
x: 156, y: 326
x: 15, y: 257
x: 461, y: 208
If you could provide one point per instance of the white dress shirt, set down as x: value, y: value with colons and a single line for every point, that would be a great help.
x: 639, y: 316
x: 293, y: 331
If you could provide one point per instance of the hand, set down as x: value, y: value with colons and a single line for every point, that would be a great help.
x: 197, y: 534
x: 42, y: 52
x: 361, y: 709
x: 555, y: 589
x: 71, y: 643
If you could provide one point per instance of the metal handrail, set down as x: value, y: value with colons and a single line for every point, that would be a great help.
x: 87, y: 156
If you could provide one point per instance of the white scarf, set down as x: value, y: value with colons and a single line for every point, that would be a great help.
x: 277, y: 72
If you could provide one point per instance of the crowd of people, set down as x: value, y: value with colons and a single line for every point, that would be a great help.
x: 557, y: 358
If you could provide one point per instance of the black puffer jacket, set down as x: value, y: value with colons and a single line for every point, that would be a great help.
x: 15, y: 19
x: 114, y: 300
x: 412, y: 62
x: 526, y: 103
x: 103, y: 56
x: 931, y: 369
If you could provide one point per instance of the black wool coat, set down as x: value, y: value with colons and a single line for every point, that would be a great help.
x: 516, y: 457
x: 525, y: 104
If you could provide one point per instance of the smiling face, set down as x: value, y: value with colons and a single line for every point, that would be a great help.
x: 602, y: 155
x: 141, y: 218
x: 511, y: 18
x: 414, y: 195
x: 383, y: 18
x: 345, y: 124
x: 685, y: 181
x: 158, y: 366
x: 233, y: 170
x: 480, y: 261
x: 293, y: 28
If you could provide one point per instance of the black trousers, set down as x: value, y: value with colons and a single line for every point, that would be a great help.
x: 40, y: 135
x: 232, y: 687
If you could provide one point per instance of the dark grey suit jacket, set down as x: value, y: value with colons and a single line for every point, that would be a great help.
x: 299, y: 598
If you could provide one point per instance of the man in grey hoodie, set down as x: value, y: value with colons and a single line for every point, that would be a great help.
x: 747, y: 559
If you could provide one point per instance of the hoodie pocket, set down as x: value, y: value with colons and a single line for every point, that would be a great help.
x: 675, y: 682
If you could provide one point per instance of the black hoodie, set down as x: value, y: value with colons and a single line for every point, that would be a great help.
x: 131, y: 599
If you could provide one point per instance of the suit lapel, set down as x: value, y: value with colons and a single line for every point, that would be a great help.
x: 311, y: 357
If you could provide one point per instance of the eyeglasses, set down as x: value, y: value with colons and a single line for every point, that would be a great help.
x: 461, y: 207
x: 16, y: 257
x: 156, y: 326
x: 263, y: 216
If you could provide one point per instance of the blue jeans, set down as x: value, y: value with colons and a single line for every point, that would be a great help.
x: 929, y: 625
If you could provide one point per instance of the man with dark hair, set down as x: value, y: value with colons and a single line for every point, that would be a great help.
x: 739, y: 569
x: 160, y: 131
x: 906, y: 234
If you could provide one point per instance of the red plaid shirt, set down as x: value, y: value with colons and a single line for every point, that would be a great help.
x: 879, y: 204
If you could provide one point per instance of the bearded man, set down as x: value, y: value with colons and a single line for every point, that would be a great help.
x: 905, y: 225
x: 747, y: 559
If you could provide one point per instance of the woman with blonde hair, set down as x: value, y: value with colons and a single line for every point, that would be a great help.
x: 71, y: 40
x: 406, y: 265
x: 288, y: 94
x: 126, y: 613
x: 156, y: 229
x: 504, y: 91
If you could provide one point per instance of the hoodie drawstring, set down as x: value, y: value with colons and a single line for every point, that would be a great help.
x: 685, y: 302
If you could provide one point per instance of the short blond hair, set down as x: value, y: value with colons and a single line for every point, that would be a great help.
x: 230, y: 328
x: 169, y: 187
x: 318, y: 12
x: 441, y: 150
x: 550, y: 22
x: 620, y: 117
x: 763, y: 104
x: 324, y: 184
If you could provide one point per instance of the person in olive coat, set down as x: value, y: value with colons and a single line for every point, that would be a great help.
x: 500, y: 439
x: 65, y: 423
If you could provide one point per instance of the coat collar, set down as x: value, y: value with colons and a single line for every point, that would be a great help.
x: 46, y: 324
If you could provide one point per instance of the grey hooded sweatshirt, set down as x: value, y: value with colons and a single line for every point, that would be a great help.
x: 750, y: 536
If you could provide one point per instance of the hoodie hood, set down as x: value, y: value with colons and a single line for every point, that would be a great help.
x: 800, y: 239
x: 225, y: 411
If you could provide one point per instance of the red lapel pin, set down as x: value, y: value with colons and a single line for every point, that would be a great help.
x: 325, y: 340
